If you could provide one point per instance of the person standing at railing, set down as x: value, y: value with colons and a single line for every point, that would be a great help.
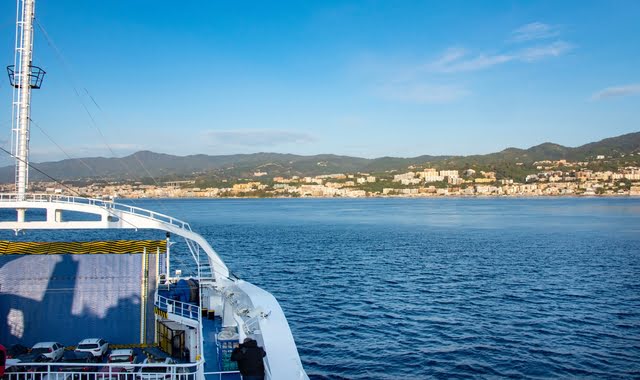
x: 249, y: 357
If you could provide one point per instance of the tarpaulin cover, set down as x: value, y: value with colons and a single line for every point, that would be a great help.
x: 82, y: 247
x: 67, y: 298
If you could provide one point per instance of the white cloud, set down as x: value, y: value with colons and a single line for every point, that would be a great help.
x: 420, y: 92
x: 535, y: 53
x: 534, y: 31
x: 448, y: 64
x: 258, y: 137
x: 455, y: 60
x: 617, y: 91
x: 449, y: 56
x: 420, y: 82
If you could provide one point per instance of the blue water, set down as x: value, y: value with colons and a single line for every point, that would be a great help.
x: 442, y: 288
x: 445, y: 288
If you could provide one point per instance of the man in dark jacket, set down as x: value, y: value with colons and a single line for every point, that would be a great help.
x: 249, y: 357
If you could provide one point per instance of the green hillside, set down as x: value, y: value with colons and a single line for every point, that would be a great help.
x: 511, y: 163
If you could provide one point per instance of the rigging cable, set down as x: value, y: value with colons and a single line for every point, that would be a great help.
x: 67, y: 68
x: 7, y: 140
x: 59, y: 147
x: 41, y: 172
x: 59, y: 182
x: 134, y: 155
x: 109, y: 211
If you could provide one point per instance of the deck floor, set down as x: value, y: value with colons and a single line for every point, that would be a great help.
x: 210, y: 328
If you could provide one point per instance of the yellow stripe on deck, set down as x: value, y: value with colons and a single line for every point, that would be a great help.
x: 82, y: 247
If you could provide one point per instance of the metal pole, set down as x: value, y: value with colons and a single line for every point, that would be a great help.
x: 24, y: 51
x: 168, y: 237
x: 143, y: 296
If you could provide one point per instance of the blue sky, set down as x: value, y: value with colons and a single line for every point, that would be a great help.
x: 367, y: 78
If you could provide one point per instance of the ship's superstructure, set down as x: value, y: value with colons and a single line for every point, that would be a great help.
x: 175, y: 318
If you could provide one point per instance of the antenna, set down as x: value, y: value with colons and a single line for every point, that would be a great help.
x: 23, y: 77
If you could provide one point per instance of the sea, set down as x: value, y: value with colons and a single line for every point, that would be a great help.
x: 444, y: 288
x: 397, y: 288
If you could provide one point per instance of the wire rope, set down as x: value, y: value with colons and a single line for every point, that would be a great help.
x: 58, y: 182
x: 68, y: 70
x: 59, y: 147
x: 94, y: 122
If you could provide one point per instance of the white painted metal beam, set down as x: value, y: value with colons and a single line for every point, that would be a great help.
x: 112, y: 216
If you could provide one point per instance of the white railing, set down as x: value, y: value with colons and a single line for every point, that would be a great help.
x: 220, y: 375
x: 182, y: 309
x: 109, y: 205
x: 112, y: 371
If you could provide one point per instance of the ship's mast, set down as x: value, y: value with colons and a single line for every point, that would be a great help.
x: 24, y: 77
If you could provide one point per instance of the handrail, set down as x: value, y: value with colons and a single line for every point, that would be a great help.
x: 109, y: 205
x: 167, y: 223
x: 105, y: 371
x: 182, y: 309
x: 117, y: 365
x: 220, y: 374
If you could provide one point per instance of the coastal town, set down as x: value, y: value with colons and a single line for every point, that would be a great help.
x: 551, y: 178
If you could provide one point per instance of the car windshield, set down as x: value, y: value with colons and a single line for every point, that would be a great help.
x: 120, y: 358
x: 86, y: 346
x: 40, y: 350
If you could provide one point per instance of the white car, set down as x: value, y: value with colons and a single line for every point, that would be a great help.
x: 97, y: 347
x: 156, y: 373
x: 124, y: 356
x: 167, y: 360
x: 52, y: 350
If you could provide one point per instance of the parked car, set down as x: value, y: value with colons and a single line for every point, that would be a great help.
x: 52, y: 350
x: 124, y: 356
x: 114, y: 373
x: 97, y: 347
x: 74, y: 367
x: 186, y: 373
x: 165, y: 360
x: 32, y: 357
x: 156, y: 373
x: 16, y: 350
x: 21, y: 367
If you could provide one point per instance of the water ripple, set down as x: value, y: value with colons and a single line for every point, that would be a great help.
x: 443, y: 288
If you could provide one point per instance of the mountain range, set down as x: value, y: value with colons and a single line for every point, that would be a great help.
x: 146, y: 164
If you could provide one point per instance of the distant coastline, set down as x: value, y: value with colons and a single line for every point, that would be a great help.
x: 619, y: 196
x: 597, y: 175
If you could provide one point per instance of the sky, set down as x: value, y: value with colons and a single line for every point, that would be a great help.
x: 359, y: 78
